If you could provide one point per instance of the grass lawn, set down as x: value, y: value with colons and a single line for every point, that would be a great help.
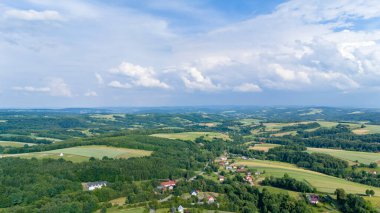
x: 323, y: 183
x: 14, y: 143
x: 375, y: 201
x: 263, y: 147
x: 83, y: 153
x: 361, y: 157
x: 191, y: 136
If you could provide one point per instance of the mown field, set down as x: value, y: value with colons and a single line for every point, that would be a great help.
x: 263, y: 147
x: 361, y: 157
x: 83, y: 153
x: 15, y: 144
x: 191, y: 136
x: 321, y: 182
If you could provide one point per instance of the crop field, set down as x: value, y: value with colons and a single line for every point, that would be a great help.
x: 263, y: 147
x: 14, y: 143
x: 83, y: 153
x: 321, y: 182
x: 361, y: 157
x: 191, y: 136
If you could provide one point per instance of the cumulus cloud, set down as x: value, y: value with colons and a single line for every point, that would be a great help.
x: 33, y: 15
x: 55, y: 87
x: 195, y: 80
x: 140, y: 76
x: 247, y: 87
x: 118, y: 84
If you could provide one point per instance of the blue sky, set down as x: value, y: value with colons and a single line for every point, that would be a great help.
x: 82, y: 53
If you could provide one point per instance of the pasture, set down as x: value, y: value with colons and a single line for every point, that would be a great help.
x: 15, y: 144
x: 352, y: 156
x: 191, y: 136
x: 263, y: 147
x: 322, y: 182
x: 83, y: 153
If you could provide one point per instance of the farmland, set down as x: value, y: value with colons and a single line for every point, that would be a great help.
x: 263, y: 147
x: 321, y: 182
x: 191, y: 136
x: 14, y: 144
x: 83, y: 153
x: 361, y: 157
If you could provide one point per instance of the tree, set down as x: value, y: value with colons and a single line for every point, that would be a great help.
x: 340, y: 194
x: 369, y: 192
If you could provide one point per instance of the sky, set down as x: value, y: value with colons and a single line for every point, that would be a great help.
x: 120, y: 53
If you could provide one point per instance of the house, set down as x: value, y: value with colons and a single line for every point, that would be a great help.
x: 172, y: 210
x: 210, y: 200
x: 221, y: 178
x: 249, y: 179
x: 167, y: 185
x: 61, y: 155
x: 257, y: 173
x: 95, y: 185
x: 244, y: 158
x: 180, y: 209
x: 228, y: 167
x: 241, y: 170
x: 373, y: 172
x: 194, y: 193
x: 223, y: 158
x: 313, y: 199
x: 221, y: 163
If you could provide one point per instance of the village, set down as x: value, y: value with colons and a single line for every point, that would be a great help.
x: 227, y: 169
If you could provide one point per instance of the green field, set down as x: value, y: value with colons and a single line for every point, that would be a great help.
x: 14, y: 143
x: 83, y: 153
x: 368, y: 129
x: 191, y: 136
x: 361, y: 157
x: 263, y: 147
x: 321, y: 182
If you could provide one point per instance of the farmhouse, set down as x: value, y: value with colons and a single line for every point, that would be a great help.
x: 221, y: 178
x: 181, y: 209
x: 194, y: 193
x: 167, y: 185
x: 210, y: 200
x: 313, y: 199
x: 95, y: 185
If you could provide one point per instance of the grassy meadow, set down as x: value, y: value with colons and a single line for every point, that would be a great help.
x: 263, y: 147
x: 83, y: 153
x: 14, y: 143
x: 361, y: 157
x: 191, y: 136
x: 322, y: 182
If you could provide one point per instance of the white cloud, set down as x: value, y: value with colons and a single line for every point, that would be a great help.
x: 140, y: 76
x: 58, y: 87
x: 91, y: 94
x: 55, y: 87
x: 247, y: 87
x: 32, y: 89
x: 99, y: 78
x: 117, y: 84
x: 195, y: 80
x: 33, y: 15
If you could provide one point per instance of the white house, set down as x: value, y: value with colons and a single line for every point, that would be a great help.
x: 180, y: 209
x: 95, y: 185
